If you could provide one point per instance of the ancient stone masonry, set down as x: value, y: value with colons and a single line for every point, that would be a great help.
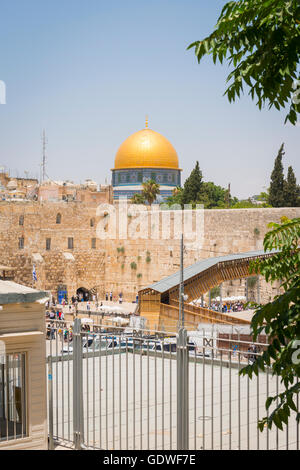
x: 75, y: 256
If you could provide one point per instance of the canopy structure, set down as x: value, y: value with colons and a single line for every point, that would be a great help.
x: 160, y: 300
x: 6, y: 272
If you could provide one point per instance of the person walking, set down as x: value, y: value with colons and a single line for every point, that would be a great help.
x: 111, y: 296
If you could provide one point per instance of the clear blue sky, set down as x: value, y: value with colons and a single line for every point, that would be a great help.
x: 89, y: 71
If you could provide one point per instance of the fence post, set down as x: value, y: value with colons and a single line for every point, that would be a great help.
x: 50, y: 398
x: 182, y: 391
x: 77, y: 385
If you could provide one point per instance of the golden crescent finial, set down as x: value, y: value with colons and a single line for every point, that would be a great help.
x: 147, y: 122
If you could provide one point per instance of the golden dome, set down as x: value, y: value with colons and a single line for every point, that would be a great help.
x: 146, y: 149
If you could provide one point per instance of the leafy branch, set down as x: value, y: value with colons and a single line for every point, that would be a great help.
x: 261, y: 40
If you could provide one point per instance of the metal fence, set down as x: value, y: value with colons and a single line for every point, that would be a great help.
x: 122, y: 389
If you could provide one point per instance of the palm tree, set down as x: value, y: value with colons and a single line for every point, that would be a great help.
x: 150, y: 191
x: 137, y: 198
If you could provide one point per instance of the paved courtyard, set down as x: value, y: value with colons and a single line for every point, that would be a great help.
x: 130, y: 402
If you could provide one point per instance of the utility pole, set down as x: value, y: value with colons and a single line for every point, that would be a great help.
x: 44, y: 142
x: 228, y: 196
x: 181, y: 287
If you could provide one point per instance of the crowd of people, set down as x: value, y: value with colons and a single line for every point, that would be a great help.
x: 60, y: 330
x: 228, y: 307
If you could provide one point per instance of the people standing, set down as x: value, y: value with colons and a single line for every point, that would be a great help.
x: 111, y: 296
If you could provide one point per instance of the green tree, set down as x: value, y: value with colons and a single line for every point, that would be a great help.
x: 245, y: 204
x: 276, y: 192
x: 215, y: 292
x: 248, y: 204
x: 280, y: 320
x: 176, y: 197
x: 150, y: 191
x: 291, y: 190
x: 263, y: 196
x: 261, y: 40
x: 211, y: 195
x: 192, y: 186
x: 138, y: 199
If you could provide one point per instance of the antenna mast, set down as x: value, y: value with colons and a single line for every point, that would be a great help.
x: 44, y: 140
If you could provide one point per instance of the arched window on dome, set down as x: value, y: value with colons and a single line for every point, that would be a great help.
x: 58, y: 218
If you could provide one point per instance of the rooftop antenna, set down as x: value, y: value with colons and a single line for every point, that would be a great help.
x: 44, y: 141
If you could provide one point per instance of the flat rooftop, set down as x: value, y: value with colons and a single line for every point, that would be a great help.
x: 11, y: 293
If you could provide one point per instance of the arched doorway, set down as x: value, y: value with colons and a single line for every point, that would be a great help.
x: 84, y: 294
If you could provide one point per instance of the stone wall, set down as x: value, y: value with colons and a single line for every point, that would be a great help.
x: 117, y: 264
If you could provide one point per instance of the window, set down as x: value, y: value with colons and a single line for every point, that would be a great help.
x: 58, y: 219
x: 21, y: 220
x: 12, y: 397
x: 70, y: 243
x: 48, y: 243
x: 21, y: 243
x: 92, y: 222
x: 93, y: 243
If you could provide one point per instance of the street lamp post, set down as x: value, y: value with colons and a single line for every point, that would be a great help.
x: 182, y: 297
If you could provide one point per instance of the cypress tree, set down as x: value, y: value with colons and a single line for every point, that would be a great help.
x: 291, y: 190
x: 276, y: 194
x: 192, y: 186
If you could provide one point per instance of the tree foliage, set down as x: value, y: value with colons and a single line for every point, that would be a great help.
x: 283, y: 192
x: 276, y: 196
x: 280, y: 320
x: 213, y: 196
x: 291, y: 190
x: 138, y: 198
x: 176, y: 197
x: 192, y: 186
x: 261, y: 40
x: 248, y: 204
x: 150, y: 191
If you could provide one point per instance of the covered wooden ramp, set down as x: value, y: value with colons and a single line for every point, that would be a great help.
x: 159, y: 303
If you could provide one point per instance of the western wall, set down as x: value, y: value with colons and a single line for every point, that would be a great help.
x: 102, y: 263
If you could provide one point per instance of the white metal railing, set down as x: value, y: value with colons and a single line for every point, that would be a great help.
x: 121, y: 389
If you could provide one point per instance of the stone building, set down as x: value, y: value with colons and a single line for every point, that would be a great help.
x: 88, y: 192
x: 12, y: 188
x: 23, y: 405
